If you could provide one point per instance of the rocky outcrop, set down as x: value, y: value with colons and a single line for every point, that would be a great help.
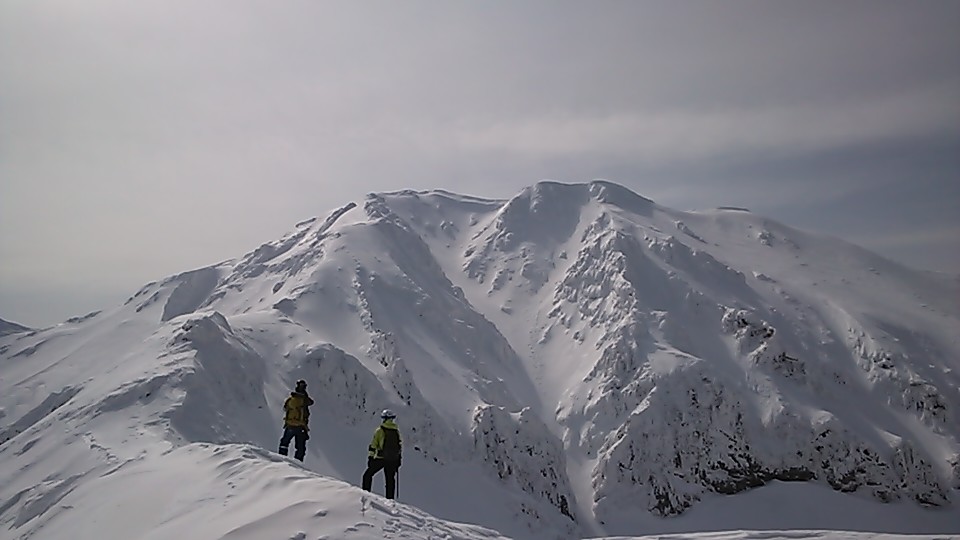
x: 520, y: 450
x: 693, y: 434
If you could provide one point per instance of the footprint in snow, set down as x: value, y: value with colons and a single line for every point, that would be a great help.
x: 389, y: 508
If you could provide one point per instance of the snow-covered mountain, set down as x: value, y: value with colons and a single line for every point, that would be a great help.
x: 575, y: 361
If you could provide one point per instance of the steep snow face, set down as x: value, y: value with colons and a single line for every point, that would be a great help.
x: 687, y: 353
x: 528, y: 457
x: 570, y: 357
x: 764, y: 400
x: 544, y: 216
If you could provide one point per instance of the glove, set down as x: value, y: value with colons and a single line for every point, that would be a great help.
x: 370, y: 461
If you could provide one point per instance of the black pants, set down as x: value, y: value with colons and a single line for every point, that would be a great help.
x: 389, y: 474
x: 299, y: 434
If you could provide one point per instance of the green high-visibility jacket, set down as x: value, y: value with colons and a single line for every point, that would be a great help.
x: 380, y: 437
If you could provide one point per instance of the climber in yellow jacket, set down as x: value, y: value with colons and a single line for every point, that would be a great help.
x: 296, y: 420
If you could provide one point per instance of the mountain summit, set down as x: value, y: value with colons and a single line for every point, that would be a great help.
x: 577, y: 360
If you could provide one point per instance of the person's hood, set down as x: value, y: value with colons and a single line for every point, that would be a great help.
x: 303, y: 396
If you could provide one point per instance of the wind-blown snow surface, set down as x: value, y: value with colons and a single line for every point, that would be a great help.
x: 9, y: 327
x: 577, y: 361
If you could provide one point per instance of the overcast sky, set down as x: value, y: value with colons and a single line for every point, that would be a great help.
x: 142, y: 139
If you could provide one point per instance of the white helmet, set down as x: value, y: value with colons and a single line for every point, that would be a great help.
x: 387, y: 413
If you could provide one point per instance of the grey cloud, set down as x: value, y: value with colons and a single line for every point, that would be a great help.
x: 146, y: 138
x: 659, y: 135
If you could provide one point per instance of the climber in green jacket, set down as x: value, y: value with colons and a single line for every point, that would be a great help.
x: 385, y: 452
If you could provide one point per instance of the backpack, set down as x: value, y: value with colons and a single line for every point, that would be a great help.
x: 391, y: 444
x: 296, y: 412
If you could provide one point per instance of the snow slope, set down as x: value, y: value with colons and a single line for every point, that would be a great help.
x: 8, y: 327
x: 576, y: 361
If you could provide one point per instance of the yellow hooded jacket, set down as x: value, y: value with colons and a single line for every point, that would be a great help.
x: 295, y: 411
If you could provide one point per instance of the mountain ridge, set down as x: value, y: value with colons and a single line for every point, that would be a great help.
x: 578, y: 346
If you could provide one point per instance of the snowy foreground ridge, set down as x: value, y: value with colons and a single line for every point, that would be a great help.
x: 574, y: 362
x: 7, y: 327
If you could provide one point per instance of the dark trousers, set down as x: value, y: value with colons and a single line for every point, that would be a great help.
x: 299, y: 434
x: 389, y: 474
